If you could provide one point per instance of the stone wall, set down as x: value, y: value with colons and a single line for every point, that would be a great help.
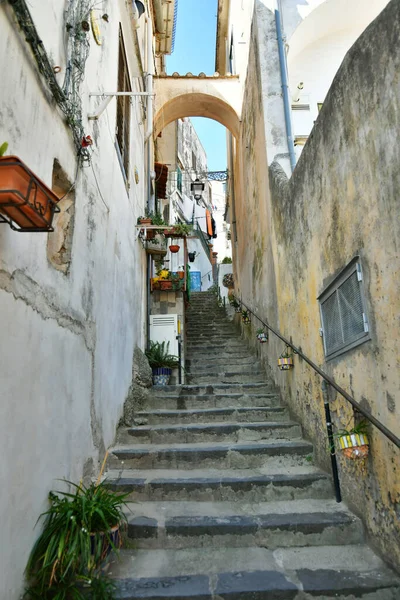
x: 342, y: 201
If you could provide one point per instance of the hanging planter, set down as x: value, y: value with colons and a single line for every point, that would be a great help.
x: 285, y: 361
x: 174, y: 248
x: 262, y: 336
x: 157, y: 246
x: 354, y: 443
x: 227, y: 281
x: 191, y: 256
x: 246, y: 317
x: 26, y: 203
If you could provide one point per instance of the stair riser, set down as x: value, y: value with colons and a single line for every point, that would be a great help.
x: 239, y: 369
x: 226, y: 378
x: 217, y: 401
x: 250, y: 535
x: 214, y: 459
x: 208, y: 363
x: 218, y: 434
x: 236, y: 491
x: 248, y: 416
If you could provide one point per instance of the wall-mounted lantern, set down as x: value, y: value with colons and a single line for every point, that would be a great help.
x: 26, y: 203
x: 197, y: 189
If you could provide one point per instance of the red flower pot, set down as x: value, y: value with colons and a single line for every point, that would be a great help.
x: 165, y: 285
x: 174, y: 248
x: 26, y: 203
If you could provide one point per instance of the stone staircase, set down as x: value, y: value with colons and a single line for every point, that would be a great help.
x: 226, y: 503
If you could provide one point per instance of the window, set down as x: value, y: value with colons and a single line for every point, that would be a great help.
x: 123, y: 108
x: 343, y: 313
x: 179, y: 179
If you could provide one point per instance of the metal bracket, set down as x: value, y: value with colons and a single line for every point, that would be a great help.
x: 108, y: 97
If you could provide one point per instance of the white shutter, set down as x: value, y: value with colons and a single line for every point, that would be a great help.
x: 164, y: 328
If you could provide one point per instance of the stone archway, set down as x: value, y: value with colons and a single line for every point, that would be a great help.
x: 216, y: 98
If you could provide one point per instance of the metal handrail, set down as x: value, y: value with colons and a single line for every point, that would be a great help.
x: 328, y: 380
x: 382, y: 428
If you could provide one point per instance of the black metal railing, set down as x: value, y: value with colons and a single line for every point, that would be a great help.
x: 329, y: 381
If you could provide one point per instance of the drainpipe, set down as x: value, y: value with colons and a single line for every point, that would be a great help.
x: 148, y: 139
x: 233, y: 199
x: 285, y: 91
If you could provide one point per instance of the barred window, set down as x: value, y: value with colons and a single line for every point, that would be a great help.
x: 343, y: 312
x: 123, y: 109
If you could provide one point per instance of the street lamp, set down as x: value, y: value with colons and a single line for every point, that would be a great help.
x: 197, y: 188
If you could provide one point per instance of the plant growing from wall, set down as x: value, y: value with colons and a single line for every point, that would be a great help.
x: 80, y: 530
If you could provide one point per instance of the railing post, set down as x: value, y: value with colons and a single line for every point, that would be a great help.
x: 332, y: 451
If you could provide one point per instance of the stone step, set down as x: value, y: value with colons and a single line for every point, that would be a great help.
x: 208, y: 363
x: 252, y: 485
x: 240, y: 368
x: 226, y: 354
x: 208, y: 401
x: 215, y: 432
x: 214, y: 388
x: 323, y: 573
x: 219, y: 455
x: 206, y: 415
x: 211, y: 336
x: 223, y: 344
x: 226, y: 377
x: 235, y: 524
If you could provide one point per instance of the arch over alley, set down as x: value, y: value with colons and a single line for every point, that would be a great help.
x: 217, y: 98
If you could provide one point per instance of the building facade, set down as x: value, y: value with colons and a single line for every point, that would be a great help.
x: 72, y: 300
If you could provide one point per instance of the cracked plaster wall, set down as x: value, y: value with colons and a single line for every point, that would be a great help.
x: 67, y: 338
x: 342, y: 200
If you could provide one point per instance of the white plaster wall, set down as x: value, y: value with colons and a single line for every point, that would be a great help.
x: 68, y: 340
x: 221, y: 244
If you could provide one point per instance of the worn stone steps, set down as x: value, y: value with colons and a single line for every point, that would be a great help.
x: 252, y: 485
x: 218, y: 455
x: 215, y: 432
x: 206, y: 415
x: 226, y: 501
x: 207, y: 401
x: 301, y: 573
x: 227, y: 377
x: 234, y: 524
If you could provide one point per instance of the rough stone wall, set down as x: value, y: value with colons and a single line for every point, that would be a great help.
x: 342, y: 201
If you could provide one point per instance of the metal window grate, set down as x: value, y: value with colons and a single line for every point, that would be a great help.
x: 343, y: 314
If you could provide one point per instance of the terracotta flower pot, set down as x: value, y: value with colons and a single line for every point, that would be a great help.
x: 174, y: 248
x: 181, y: 274
x: 26, y: 203
x: 165, y: 285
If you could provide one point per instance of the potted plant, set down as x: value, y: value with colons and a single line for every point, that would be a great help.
x: 161, y: 362
x: 354, y: 442
x: 80, y: 529
x: 285, y: 361
x: 246, y: 317
x: 227, y: 281
x: 236, y: 305
x: 26, y: 202
x: 262, y: 335
x: 157, y: 246
x: 181, y: 272
x: 179, y: 230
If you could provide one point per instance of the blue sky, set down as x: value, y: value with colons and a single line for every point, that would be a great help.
x: 195, y: 52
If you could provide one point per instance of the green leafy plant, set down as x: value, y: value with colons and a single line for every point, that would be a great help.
x: 156, y: 218
x: 3, y: 148
x: 260, y: 330
x: 360, y: 428
x: 226, y: 261
x: 79, y: 531
x: 227, y: 280
x: 182, y: 229
x: 158, y: 356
